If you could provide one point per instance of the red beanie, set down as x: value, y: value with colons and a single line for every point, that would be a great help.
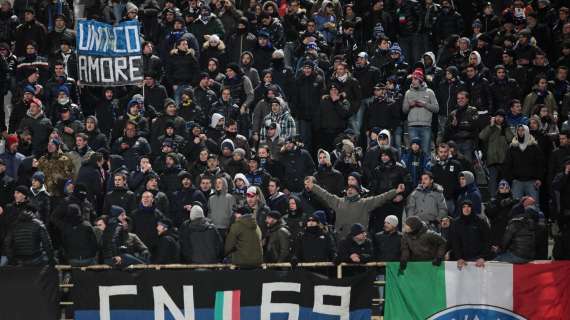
x: 11, y: 139
x: 419, y: 74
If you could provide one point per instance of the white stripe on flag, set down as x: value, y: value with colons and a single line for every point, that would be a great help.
x: 228, y: 301
x: 492, y: 285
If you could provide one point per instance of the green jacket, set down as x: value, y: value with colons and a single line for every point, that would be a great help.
x: 351, y: 211
x: 276, y: 243
x: 496, y: 141
x: 243, y: 242
x: 530, y: 102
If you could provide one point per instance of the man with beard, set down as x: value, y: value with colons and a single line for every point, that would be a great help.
x: 131, y: 146
x: 445, y: 172
x: 57, y: 167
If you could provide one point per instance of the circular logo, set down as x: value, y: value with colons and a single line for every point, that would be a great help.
x: 476, y: 312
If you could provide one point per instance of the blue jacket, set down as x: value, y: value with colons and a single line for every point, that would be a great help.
x: 469, y: 192
x: 416, y: 164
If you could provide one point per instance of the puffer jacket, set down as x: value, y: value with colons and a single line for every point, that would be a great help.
x: 428, y: 204
x: 200, y: 242
x: 243, y: 242
x: 422, y: 245
x: 182, y: 67
x: 28, y: 239
x: 519, y: 238
x: 420, y: 116
x: 276, y: 243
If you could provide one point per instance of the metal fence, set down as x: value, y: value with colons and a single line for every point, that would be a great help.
x: 66, y: 282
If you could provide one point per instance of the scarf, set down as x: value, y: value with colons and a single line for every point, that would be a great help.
x: 342, y: 78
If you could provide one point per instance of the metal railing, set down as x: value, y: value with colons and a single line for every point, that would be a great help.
x: 65, y: 286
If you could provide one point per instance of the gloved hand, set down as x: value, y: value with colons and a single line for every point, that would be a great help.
x: 436, y: 261
x: 403, y: 265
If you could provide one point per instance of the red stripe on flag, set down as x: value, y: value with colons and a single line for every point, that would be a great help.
x: 542, y: 291
x: 236, y: 305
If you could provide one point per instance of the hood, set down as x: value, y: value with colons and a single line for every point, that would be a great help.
x: 241, y: 176
x: 230, y: 142
x: 432, y: 56
x: 246, y: 53
x: 298, y: 202
x: 453, y: 70
x: 469, y: 177
x: 248, y: 221
x: 215, y: 118
x: 387, y: 133
x: 224, y: 186
x: 528, y: 139
x: 478, y: 57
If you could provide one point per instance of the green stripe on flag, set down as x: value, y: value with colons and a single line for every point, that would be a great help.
x: 416, y: 293
x: 219, y: 306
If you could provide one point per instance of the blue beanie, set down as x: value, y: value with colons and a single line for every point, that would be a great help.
x: 29, y: 89
x: 40, y: 176
x: 378, y: 31
x: 64, y: 89
x: 321, y: 216
x: 416, y: 140
x: 116, y: 211
x: 396, y: 48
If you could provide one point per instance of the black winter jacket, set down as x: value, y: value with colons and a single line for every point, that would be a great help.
x: 79, y: 240
x: 167, y: 248
x: 200, y: 242
x: 306, y: 95
x: 28, y: 239
x: 519, y: 238
x: 297, y: 164
x: 144, y: 226
x: 470, y: 238
x: 332, y: 115
x: 315, y: 245
x: 387, y: 246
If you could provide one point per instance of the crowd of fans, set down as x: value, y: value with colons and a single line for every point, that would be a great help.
x: 289, y: 130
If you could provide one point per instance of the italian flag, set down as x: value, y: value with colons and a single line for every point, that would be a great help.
x: 227, y: 306
x: 498, y: 291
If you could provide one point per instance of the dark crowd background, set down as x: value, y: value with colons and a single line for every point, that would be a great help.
x: 289, y: 130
